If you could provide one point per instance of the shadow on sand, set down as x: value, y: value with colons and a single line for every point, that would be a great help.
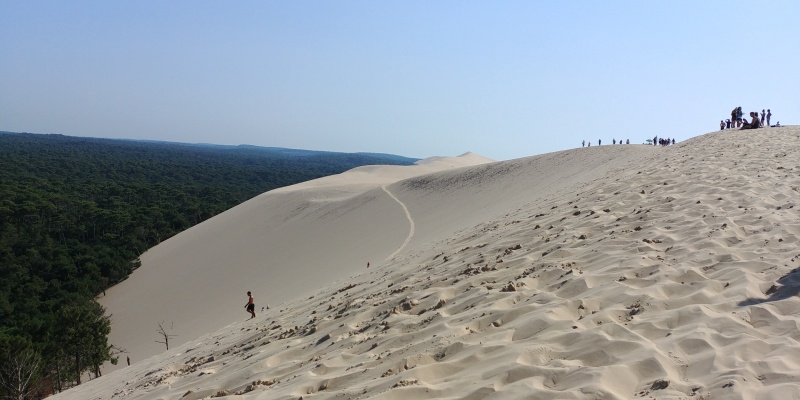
x: 786, y: 287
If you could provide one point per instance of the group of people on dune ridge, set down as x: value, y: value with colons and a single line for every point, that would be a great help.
x: 737, y: 120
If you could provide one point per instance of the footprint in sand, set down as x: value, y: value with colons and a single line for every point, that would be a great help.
x: 410, y: 223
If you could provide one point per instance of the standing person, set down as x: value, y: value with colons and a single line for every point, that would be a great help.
x: 769, y: 115
x: 721, y: 125
x: 733, y: 117
x: 600, y: 142
x: 250, y: 306
x: 583, y: 143
x: 763, y: 114
x: 739, y: 116
x: 727, y: 124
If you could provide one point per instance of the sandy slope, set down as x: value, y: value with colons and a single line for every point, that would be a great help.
x: 609, y: 272
x: 278, y: 245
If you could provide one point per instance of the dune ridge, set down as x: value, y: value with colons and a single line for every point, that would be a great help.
x: 611, y: 272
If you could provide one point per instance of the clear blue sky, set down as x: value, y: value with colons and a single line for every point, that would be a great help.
x: 503, y: 79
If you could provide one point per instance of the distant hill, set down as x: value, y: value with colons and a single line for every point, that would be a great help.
x: 277, y: 152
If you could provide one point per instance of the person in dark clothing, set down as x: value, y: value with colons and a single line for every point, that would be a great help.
x: 739, y: 116
x: 753, y: 124
x: 250, y: 306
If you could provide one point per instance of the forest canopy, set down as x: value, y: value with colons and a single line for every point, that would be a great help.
x: 76, y: 213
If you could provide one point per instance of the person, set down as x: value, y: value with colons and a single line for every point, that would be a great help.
x: 250, y: 306
x: 739, y: 116
x: 763, y: 114
x: 727, y: 124
x: 753, y: 124
x: 613, y: 141
x: 746, y: 124
x: 733, y: 116
x: 583, y: 143
x: 721, y: 125
x: 769, y: 115
x: 599, y: 142
x: 627, y: 141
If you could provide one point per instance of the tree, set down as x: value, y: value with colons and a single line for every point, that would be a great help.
x: 20, y: 367
x: 163, y: 332
x: 84, y: 330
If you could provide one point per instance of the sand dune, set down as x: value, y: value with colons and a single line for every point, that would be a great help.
x: 279, y: 245
x: 611, y: 272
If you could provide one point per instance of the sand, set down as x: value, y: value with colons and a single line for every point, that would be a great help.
x: 610, y: 272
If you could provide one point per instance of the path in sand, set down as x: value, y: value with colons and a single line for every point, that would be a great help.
x: 410, y: 223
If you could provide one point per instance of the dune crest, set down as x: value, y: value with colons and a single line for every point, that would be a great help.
x: 611, y: 272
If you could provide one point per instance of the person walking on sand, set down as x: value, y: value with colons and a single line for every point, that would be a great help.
x: 250, y: 306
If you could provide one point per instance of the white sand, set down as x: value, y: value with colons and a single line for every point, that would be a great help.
x: 614, y: 272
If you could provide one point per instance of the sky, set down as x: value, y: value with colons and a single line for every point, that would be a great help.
x: 503, y: 79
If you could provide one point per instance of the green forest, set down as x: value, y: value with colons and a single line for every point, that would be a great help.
x: 76, y: 213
